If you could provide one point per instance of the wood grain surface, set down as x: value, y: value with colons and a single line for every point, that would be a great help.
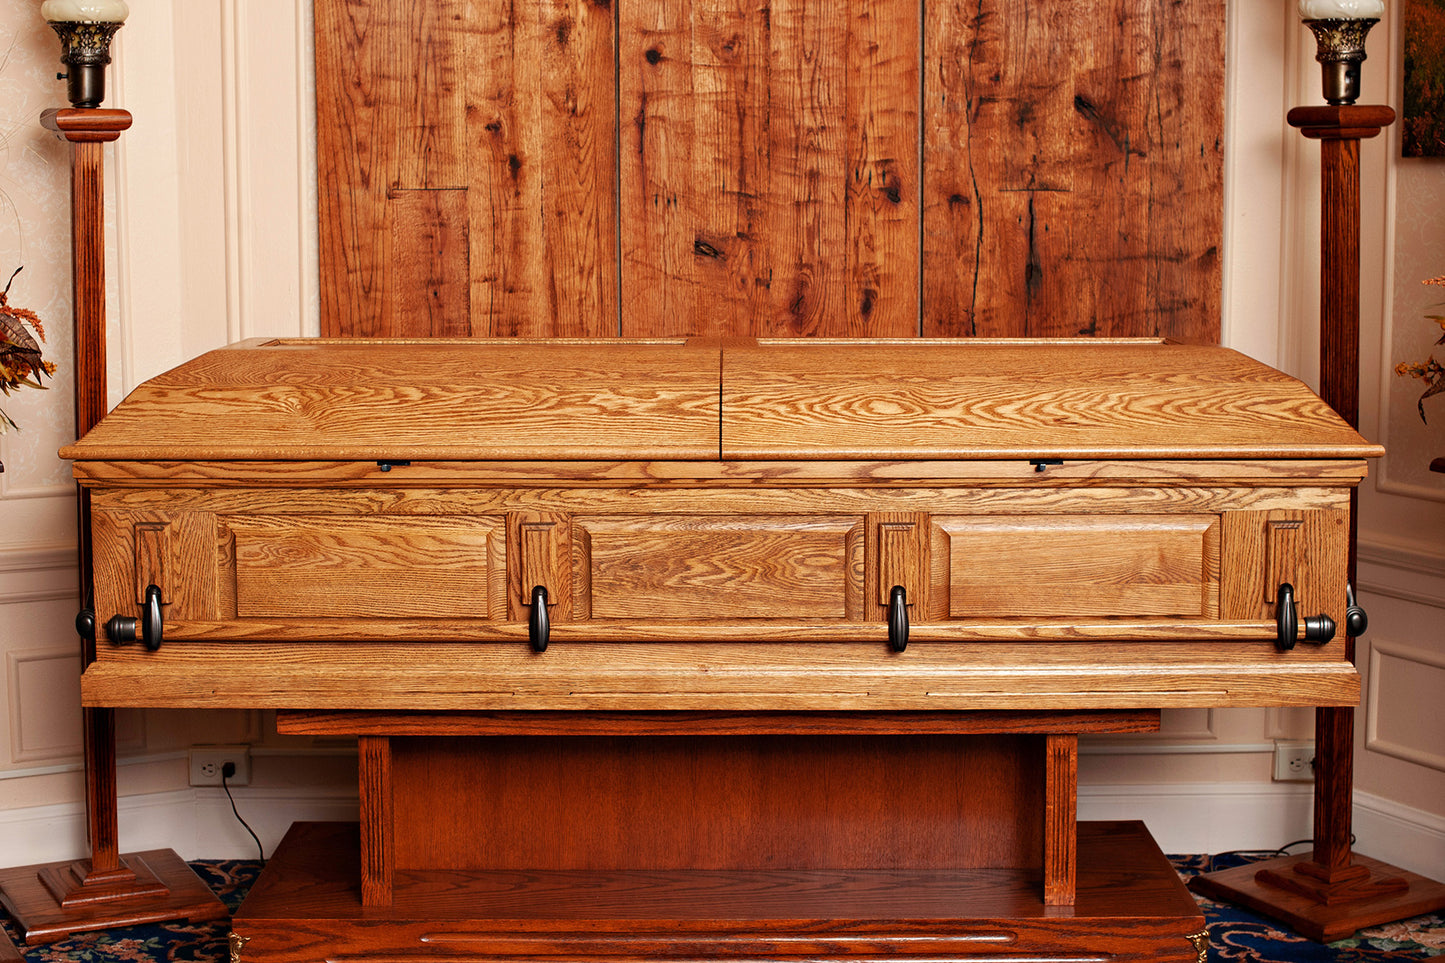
x: 724, y: 586
x: 376, y: 788
x: 769, y: 168
x: 721, y: 566
x: 182, y: 895
x: 775, y: 400
x: 942, y: 399
x: 719, y: 676
x: 1047, y: 567
x: 368, y: 568
x: 792, y: 802
x: 1131, y: 906
x: 803, y: 168
x: 1295, y: 473
x: 318, y: 722
x: 430, y: 398
x: 518, y: 235
x: 1061, y: 804
x: 1350, y: 908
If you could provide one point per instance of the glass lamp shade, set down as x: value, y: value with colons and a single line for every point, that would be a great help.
x: 84, y: 11
x: 1341, y: 9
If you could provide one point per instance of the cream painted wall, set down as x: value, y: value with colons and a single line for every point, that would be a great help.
x: 214, y: 225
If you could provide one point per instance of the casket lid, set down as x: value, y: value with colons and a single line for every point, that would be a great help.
x: 531, y: 400
x: 435, y: 399
x: 986, y: 399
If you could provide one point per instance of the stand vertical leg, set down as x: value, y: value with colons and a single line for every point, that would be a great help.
x: 377, y: 831
x: 1334, y: 783
x: 1061, y: 785
x: 100, y: 793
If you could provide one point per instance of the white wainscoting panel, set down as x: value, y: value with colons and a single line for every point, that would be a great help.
x: 43, y: 691
x: 1409, y: 724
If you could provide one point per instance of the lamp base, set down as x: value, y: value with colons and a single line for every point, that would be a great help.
x: 52, y: 901
x: 85, y: 52
x: 1291, y: 889
x: 1340, y: 48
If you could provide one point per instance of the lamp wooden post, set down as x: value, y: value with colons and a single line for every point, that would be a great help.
x: 1332, y: 891
x: 52, y: 901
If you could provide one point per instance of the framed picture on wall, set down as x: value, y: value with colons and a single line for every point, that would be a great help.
x: 1424, y: 114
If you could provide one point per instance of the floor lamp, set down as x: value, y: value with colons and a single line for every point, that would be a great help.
x: 49, y: 902
x: 1331, y: 892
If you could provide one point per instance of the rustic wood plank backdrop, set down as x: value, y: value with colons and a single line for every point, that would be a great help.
x: 771, y: 167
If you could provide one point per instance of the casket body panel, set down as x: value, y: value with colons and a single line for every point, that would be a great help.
x: 361, y: 525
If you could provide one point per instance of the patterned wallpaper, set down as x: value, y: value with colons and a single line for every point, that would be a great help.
x: 1419, y: 254
x: 34, y: 233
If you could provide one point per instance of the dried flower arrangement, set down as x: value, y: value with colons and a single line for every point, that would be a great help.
x: 1430, y: 370
x: 20, y: 361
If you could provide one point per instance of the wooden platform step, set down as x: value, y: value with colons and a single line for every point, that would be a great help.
x: 1131, y: 906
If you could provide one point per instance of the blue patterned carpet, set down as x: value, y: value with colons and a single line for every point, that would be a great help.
x: 1234, y: 934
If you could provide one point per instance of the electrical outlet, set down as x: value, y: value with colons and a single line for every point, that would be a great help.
x: 1294, y: 762
x: 207, y: 762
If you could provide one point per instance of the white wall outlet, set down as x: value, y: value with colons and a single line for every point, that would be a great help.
x: 1294, y: 762
x: 208, y: 762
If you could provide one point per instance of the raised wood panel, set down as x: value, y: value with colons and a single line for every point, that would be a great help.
x: 540, y: 542
x: 897, y: 555
x: 799, y: 168
x: 720, y: 566
x: 152, y: 559
x: 1265, y: 548
x: 744, y: 802
x: 337, y: 567
x: 1081, y: 565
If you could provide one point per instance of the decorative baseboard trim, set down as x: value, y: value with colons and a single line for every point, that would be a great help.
x: 1184, y: 818
x: 1400, y: 835
x: 1207, y: 817
x: 197, y: 823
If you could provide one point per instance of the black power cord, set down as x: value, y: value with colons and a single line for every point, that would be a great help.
x: 228, y: 770
x: 1264, y: 853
